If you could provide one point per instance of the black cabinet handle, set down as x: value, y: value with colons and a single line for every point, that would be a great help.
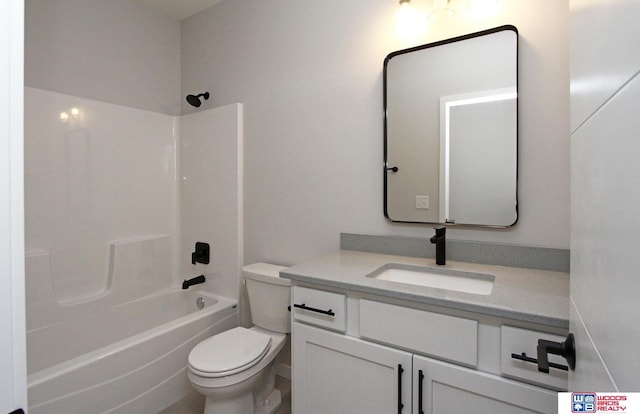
x: 305, y: 307
x: 420, y: 382
x: 525, y: 358
x: 566, y: 349
x: 400, y: 405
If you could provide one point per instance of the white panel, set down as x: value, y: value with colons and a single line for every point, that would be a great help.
x: 603, y: 58
x: 441, y: 336
x: 139, y: 267
x: 13, y: 391
x: 105, y: 174
x: 591, y: 372
x: 211, y: 195
x: 451, y: 389
x: 605, y: 228
x: 338, y: 374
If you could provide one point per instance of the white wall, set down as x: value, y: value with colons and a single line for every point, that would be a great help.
x: 120, y: 52
x: 310, y: 77
x: 13, y: 370
x: 605, y: 224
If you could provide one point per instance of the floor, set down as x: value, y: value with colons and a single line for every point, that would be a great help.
x: 194, y: 402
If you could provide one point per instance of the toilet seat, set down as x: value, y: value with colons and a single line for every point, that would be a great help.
x: 228, y: 353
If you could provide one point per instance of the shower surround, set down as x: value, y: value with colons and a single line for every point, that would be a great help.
x: 112, y: 218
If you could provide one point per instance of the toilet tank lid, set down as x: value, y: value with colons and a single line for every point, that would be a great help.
x: 265, y: 272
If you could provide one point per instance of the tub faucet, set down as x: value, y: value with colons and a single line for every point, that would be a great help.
x: 440, y: 242
x: 195, y: 281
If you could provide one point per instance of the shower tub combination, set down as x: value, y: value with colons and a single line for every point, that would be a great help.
x: 124, y: 350
x: 134, y: 360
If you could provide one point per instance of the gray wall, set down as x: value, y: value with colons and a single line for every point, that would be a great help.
x: 119, y: 52
x: 310, y: 77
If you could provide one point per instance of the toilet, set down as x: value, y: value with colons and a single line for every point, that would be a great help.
x: 234, y: 369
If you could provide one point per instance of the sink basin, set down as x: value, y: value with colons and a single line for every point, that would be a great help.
x: 449, y: 279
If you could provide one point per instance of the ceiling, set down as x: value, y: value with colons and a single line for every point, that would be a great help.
x: 180, y: 9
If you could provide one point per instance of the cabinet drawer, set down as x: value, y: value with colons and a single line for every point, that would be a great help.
x: 435, y: 334
x: 518, y: 341
x: 320, y: 308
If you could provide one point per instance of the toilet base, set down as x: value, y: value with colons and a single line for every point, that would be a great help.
x: 244, y: 404
x: 270, y: 404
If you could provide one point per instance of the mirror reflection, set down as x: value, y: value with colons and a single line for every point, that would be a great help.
x: 451, y: 131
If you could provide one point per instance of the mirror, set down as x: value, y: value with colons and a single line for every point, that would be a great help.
x: 451, y: 126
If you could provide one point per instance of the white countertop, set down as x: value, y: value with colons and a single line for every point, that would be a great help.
x: 527, y: 295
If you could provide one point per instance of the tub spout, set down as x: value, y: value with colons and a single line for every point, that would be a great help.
x: 195, y: 281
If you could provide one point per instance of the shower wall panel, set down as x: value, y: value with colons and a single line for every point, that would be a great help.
x: 94, y: 173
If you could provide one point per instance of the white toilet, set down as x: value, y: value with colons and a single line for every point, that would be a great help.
x: 234, y: 369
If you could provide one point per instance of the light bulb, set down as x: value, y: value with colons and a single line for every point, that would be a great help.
x: 410, y: 23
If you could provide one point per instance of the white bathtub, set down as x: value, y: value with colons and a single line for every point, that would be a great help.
x: 134, y: 359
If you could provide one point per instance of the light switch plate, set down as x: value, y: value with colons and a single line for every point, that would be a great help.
x: 422, y: 202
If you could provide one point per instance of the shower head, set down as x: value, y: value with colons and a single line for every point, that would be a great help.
x: 195, y: 99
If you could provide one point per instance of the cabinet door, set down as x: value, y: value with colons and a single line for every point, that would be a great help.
x: 334, y: 373
x: 445, y: 389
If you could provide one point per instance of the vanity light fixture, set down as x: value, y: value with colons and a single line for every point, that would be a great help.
x: 442, y: 11
x: 410, y: 23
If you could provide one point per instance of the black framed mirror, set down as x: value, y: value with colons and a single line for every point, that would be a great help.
x: 451, y: 131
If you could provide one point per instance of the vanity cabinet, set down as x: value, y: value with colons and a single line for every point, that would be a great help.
x: 359, y: 355
x: 442, y: 388
x: 335, y: 373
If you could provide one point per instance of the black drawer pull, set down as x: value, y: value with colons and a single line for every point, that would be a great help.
x: 524, y: 357
x: 305, y: 307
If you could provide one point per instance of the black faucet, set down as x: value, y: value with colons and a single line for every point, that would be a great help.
x: 440, y: 242
x: 195, y: 281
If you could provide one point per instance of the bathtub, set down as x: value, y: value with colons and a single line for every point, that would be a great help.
x: 134, y: 360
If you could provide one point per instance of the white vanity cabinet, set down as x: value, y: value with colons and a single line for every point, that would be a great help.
x: 335, y: 373
x: 442, y: 388
x: 391, y: 358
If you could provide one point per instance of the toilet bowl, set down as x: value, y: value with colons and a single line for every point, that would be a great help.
x: 234, y: 369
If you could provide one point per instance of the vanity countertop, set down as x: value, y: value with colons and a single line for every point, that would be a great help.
x: 527, y: 295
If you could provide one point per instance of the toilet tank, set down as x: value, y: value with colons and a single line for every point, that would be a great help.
x: 269, y: 296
